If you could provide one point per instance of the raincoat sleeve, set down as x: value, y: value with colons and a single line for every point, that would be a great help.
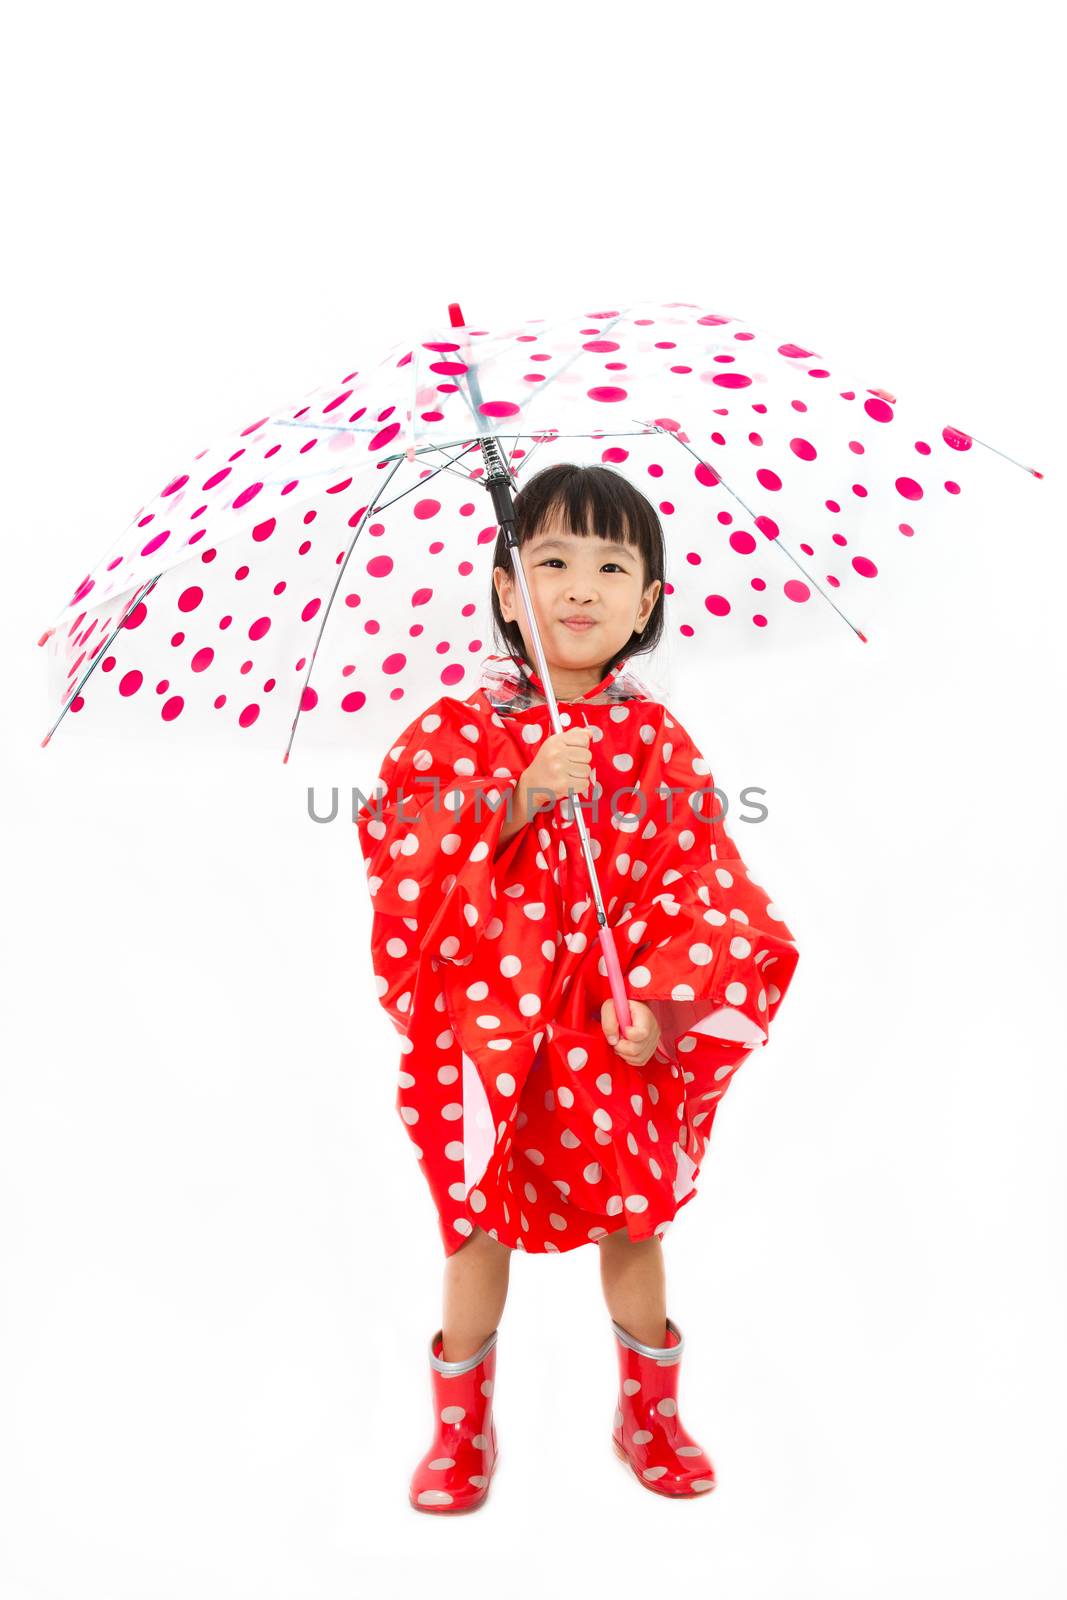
x: 429, y: 836
x: 712, y: 957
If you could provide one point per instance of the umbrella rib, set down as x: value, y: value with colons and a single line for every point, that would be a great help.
x: 98, y: 656
x: 778, y: 542
x: 373, y: 506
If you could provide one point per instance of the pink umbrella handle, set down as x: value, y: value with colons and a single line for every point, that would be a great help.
x: 615, y: 978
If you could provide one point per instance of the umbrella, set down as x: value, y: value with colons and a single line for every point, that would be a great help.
x: 793, y: 498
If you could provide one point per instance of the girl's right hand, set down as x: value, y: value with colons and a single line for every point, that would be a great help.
x: 563, y: 762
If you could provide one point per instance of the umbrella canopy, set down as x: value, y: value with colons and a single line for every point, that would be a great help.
x: 325, y: 567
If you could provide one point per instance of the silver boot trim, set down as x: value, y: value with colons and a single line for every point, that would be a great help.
x: 455, y: 1367
x: 668, y: 1354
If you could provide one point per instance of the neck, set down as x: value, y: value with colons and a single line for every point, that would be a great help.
x: 570, y: 682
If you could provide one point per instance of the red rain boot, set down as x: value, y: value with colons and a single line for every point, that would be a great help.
x: 647, y: 1433
x: 454, y: 1473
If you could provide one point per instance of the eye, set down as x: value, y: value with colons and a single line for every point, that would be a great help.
x: 551, y: 560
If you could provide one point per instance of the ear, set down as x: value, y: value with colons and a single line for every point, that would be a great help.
x: 502, y: 582
x: 648, y: 601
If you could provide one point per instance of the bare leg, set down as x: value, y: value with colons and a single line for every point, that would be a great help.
x: 634, y: 1284
x: 476, y: 1287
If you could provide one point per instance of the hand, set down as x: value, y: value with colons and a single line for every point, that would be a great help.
x: 562, y: 763
x: 640, y: 1039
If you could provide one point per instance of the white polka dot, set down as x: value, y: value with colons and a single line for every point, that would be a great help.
x: 434, y: 1497
x: 565, y: 1096
x: 593, y: 1172
x: 453, y: 1414
x: 667, y: 1407
x: 409, y: 1115
x: 740, y: 947
x: 700, y: 954
x: 724, y: 877
x: 529, y: 1004
x: 505, y: 1083
x: 651, y: 1473
x: 441, y: 1463
x: 452, y: 1112
x: 557, y: 1221
x: 396, y: 948
x: 644, y: 1436
x: 487, y: 1021
x: 735, y: 993
x: 602, y: 1118
x: 476, y: 1200
x: 604, y: 1083
x: 577, y: 1058
x: 630, y: 1386
x: 639, y: 976
x: 636, y: 1202
x: 477, y: 991
x: 510, y: 965
x: 407, y: 889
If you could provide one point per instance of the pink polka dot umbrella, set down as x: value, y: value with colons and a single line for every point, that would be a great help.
x: 328, y: 565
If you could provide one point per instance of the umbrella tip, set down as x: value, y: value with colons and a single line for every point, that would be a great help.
x: 863, y: 636
x: 1036, y: 473
x: 455, y: 315
x: 45, y: 740
x: 285, y: 758
x: 50, y: 631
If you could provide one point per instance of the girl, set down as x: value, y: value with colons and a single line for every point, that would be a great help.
x: 538, y: 1125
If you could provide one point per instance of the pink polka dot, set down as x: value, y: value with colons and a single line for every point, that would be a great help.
x: 154, y: 544
x: 768, y: 527
x: 731, y: 380
x: 172, y: 708
x: 717, y: 604
x: 379, y: 566
x: 864, y: 567
x: 878, y: 411
x: 263, y: 530
x: 742, y: 542
x: 424, y: 509
x: 452, y: 675
x: 131, y: 682
x: 794, y: 589
x: 202, y: 659
x: 384, y: 437
x: 338, y: 400
x: 499, y: 408
x: 909, y: 489
x: 705, y: 475
x: 248, y: 716
x: 190, y: 598
x: 606, y: 393
x: 394, y: 663
x: 956, y: 439
x: 768, y: 479
x: 309, y: 698
x: 173, y: 487
x: 259, y: 628
x: 246, y: 495
x: 803, y: 449
x: 353, y: 701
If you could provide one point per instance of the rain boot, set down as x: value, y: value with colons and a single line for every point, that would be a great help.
x: 454, y: 1473
x: 647, y: 1432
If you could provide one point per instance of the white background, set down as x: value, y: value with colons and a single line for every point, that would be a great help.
x: 219, y: 1265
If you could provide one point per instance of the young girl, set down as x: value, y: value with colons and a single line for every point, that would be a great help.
x: 538, y: 1126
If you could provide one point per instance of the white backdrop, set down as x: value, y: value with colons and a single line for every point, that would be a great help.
x: 219, y: 1264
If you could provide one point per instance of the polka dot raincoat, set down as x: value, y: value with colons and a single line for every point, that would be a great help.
x: 526, y: 1122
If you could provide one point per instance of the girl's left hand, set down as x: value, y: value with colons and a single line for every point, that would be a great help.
x: 639, y: 1041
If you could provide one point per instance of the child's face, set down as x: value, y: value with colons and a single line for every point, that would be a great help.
x: 570, y: 576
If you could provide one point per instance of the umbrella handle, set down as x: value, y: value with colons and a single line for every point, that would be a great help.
x: 618, y: 987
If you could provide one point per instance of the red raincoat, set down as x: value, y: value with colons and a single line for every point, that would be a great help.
x: 527, y: 1123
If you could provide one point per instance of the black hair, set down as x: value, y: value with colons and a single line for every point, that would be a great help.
x: 595, y: 502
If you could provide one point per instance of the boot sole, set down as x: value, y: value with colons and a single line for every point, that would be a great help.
x: 646, y: 1483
